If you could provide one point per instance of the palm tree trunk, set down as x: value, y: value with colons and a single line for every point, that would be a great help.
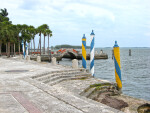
x: 11, y: 50
x: 34, y: 46
x: 19, y: 48
x: 14, y: 50
x: 48, y: 43
x: 8, y: 50
x: 29, y: 48
x: 40, y: 45
x: 0, y: 48
x: 19, y: 45
x: 44, y: 44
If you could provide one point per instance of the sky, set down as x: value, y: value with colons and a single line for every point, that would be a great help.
x: 126, y: 21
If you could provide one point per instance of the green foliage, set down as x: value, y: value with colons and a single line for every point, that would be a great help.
x: 15, y: 33
x: 69, y: 46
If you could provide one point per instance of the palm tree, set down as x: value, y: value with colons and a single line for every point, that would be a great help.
x: 45, y: 34
x: 18, y: 32
x: 33, y: 32
x: 4, y: 12
x: 49, y: 34
x: 41, y: 30
x: 8, y: 35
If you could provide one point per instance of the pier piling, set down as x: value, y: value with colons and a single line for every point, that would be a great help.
x: 117, y: 66
x: 84, y: 51
x: 92, y: 53
x: 129, y: 52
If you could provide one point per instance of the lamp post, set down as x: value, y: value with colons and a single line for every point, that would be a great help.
x: 92, y: 53
x: 84, y: 51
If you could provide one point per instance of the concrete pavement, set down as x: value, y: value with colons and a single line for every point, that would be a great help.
x: 21, y: 91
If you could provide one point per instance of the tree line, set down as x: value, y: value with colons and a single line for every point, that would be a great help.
x: 11, y: 34
x: 69, y: 46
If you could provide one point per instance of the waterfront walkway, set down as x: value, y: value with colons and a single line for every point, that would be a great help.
x: 24, y: 89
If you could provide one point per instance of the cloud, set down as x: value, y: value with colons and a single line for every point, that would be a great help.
x: 70, y: 19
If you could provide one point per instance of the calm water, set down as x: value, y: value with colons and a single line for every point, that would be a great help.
x: 135, y: 70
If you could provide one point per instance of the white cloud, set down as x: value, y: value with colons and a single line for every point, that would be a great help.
x: 88, y: 11
x: 109, y: 18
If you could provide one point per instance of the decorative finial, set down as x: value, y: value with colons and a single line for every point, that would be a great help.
x: 116, y: 45
x: 83, y: 36
x: 92, y: 32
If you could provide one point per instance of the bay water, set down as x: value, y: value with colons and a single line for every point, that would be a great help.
x: 135, y: 70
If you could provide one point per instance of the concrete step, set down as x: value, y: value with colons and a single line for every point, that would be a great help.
x: 43, y: 74
x: 62, y: 78
x: 40, y: 75
x: 56, y: 78
x: 57, y: 81
x: 48, y: 76
x: 87, y: 92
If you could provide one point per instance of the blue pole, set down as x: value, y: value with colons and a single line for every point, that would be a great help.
x: 92, y: 53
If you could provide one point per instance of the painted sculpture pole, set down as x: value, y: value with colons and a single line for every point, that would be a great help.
x: 92, y: 53
x: 117, y: 66
x: 84, y: 51
x: 26, y: 48
x: 23, y: 52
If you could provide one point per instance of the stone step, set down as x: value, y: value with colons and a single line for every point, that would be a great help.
x: 48, y: 76
x: 87, y: 92
x: 56, y: 78
x: 57, y: 81
x: 40, y: 75
x: 63, y: 78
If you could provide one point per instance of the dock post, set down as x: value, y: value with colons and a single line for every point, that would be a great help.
x: 28, y: 57
x: 75, y: 63
x: 84, y: 51
x: 38, y: 58
x: 117, y: 66
x: 54, y: 61
x: 20, y: 56
x: 129, y: 52
x: 92, y: 53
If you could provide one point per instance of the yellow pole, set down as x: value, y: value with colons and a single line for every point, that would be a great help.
x: 84, y: 51
x: 117, y: 65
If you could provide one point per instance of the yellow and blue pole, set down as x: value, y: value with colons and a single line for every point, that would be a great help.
x: 117, y: 65
x: 84, y: 51
x: 92, y: 53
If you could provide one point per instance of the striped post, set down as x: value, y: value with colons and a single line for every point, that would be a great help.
x: 117, y: 65
x: 84, y: 51
x: 23, y: 49
x: 92, y: 53
x: 26, y: 48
